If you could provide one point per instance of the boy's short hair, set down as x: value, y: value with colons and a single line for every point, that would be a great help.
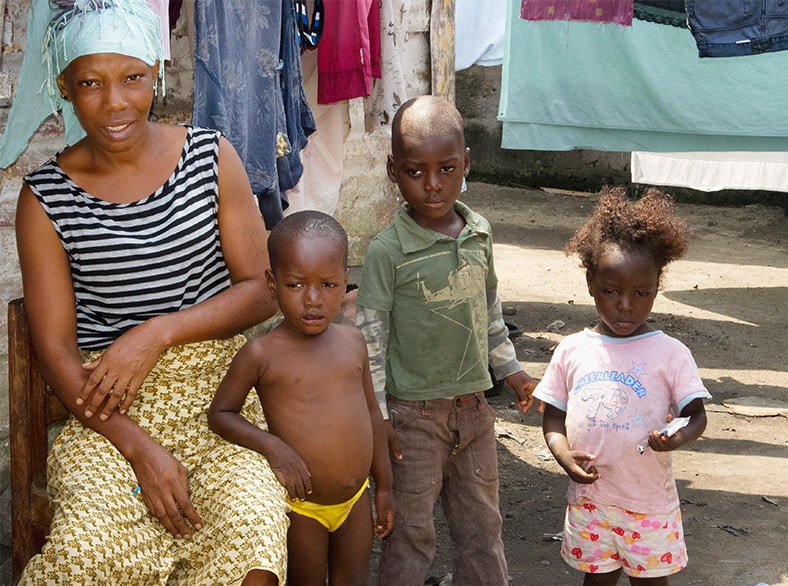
x: 425, y: 116
x: 307, y: 224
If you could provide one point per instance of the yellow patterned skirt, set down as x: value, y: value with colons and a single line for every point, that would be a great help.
x: 102, y: 533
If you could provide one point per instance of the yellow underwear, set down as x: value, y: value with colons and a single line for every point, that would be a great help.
x: 329, y: 516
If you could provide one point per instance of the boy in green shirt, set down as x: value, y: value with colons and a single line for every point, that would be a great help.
x: 429, y: 308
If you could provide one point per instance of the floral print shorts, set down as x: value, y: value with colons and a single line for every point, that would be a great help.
x: 603, y: 538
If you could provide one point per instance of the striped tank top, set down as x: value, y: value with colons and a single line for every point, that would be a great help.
x: 133, y: 261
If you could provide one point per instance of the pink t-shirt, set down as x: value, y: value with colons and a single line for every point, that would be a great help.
x: 614, y: 392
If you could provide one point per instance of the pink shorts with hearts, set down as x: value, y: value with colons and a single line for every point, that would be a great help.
x: 603, y: 538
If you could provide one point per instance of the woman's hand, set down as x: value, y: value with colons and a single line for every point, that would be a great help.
x: 164, y: 486
x: 116, y: 375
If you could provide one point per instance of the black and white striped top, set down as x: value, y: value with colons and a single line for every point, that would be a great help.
x: 133, y: 261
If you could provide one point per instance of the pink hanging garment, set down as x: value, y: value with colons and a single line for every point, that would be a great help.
x: 162, y: 10
x: 348, y: 56
x: 615, y: 11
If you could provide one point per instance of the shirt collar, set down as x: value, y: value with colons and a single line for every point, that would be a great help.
x: 414, y: 238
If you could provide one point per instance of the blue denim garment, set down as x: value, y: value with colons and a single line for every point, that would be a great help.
x: 298, y: 115
x: 248, y: 84
x: 729, y: 28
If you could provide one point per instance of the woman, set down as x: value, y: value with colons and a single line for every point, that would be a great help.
x: 143, y: 256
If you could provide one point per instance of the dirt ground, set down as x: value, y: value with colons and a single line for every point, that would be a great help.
x: 727, y: 301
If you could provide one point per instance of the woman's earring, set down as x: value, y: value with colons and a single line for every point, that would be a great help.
x: 64, y: 97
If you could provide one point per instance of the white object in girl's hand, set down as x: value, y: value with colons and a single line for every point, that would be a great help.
x: 667, y: 431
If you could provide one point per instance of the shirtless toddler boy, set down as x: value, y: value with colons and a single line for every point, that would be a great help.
x: 325, y: 429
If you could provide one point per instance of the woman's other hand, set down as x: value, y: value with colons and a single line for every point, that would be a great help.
x: 164, y: 486
x: 116, y: 375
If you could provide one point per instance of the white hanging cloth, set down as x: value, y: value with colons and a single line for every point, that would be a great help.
x: 712, y: 171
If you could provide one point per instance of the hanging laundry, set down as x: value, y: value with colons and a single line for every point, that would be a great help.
x: 299, y: 120
x: 730, y: 28
x: 248, y: 84
x: 349, y: 53
x: 478, y: 33
x: 669, y: 5
x: 391, y: 90
x: 174, y: 10
x: 578, y: 85
x: 712, y: 171
x: 162, y: 10
x: 668, y: 12
x: 323, y: 157
x: 615, y: 11
x: 309, y: 31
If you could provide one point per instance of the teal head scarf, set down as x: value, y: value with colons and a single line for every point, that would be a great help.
x: 58, y: 32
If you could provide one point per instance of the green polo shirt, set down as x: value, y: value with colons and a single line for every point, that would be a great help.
x: 434, y: 289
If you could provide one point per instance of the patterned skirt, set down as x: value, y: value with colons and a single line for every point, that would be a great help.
x: 102, y: 532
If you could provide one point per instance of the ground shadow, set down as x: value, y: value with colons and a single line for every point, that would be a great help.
x: 759, y: 306
x: 739, y: 447
x: 731, y: 537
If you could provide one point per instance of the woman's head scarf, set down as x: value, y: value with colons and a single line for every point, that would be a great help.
x: 58, y: 32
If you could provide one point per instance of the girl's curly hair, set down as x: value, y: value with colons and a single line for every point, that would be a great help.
x: 649, y: 225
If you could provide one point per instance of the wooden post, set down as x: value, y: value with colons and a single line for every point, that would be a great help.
x: 442, y: 48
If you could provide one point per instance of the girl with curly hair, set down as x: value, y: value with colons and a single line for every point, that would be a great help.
x: 609, y: 392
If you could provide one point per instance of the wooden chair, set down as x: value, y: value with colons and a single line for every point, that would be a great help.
x: 32, y: 408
